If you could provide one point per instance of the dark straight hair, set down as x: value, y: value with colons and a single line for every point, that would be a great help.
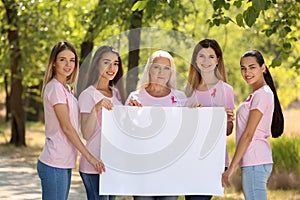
x: 278, y: 119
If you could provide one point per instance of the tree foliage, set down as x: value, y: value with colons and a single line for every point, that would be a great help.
x: 174, y: 25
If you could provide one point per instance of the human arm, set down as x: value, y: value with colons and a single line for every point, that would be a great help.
x: 244, y: 142
x: 89, y: 120
x: 61, y: 111
x: 230, y: 118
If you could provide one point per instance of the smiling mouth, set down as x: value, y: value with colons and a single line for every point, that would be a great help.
x: 67, y: 70
x: 110, y: 73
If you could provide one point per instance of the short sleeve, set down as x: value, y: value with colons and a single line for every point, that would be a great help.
x: 261, y: 102
x: 55, y: 94
x: 85, y: 102
x: 230, y: 98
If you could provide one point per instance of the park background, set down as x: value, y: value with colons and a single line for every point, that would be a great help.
x: 29, y: 29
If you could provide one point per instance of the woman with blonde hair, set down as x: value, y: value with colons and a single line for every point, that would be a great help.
x: 158, y: 88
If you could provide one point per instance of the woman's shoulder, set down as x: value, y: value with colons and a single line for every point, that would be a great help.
x: 263, y: 94
x: 53, y: 85
x: 87, y: 92
x: 264, y: 90
x: 178, y: 92
x: 226, y: 85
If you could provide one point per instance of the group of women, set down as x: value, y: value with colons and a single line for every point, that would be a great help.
x: 259, y: 116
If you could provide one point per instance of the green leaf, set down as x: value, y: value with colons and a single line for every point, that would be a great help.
x: 287, y: 46
x: 259, y: 5
x: 250, y: 16
x: 218, y: 4
x: 269, y: 32
x: 139, y: 5
x: 287, y: 29
x: 227, y: 6
x: 276, y: 62
x: 216, y: 22
x: 239, y: 20
x: 238, y: 3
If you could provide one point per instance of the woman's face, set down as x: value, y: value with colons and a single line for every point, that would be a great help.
x: 206, y: 59
x: 160, y: 71
x: 251, y: 71
x: 108, y: 66
x: 64, y: 64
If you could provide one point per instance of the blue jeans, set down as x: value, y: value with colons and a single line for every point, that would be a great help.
x: 155, y: 197
x: 254, y: 181
x: 91, y: 184
x: 55, y: 181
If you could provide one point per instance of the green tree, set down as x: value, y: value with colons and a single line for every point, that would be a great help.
x: 17, y: 111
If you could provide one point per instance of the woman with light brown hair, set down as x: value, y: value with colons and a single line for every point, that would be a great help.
x: 207, y: 86
x: 61, y: 112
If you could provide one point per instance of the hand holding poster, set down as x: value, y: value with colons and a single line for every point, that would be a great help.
x: 163, y: 150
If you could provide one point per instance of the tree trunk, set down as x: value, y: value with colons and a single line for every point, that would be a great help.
x: 16, y: 103
x: 85, y: 57
x: 7, y: 97
x: 134, y: 38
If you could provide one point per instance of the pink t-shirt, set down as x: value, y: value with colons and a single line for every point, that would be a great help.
x: 87, y: 100
x: 175, y: 98
x: 221, y: 95
x: 259, y: 151
x: 58, y: 150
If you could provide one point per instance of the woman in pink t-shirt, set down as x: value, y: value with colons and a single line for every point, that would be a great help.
x: 259, y: 117
x: 59, y: 154
x: 207, y: 86
x: 104, y: 72
x: 158, y: 88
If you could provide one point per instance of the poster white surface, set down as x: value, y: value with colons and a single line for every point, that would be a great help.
x: 163, y: 150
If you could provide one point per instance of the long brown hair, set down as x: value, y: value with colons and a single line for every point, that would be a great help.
x: 94, y: 73
x: 50, y: 72
x: 194, y: 76
x: 278, y: 119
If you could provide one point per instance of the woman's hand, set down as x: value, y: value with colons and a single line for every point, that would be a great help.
x: 104, y: 103
x: 196, y: 105
x: 134, y: 102
x: 98, y: 164
x: 226, y: 177
x: 230, y: 114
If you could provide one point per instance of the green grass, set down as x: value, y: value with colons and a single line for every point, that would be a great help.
x: 286, y: 153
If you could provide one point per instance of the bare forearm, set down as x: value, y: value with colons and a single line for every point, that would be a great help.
x: 88, y: 123
x: 240, y: 150
x: 73, y: 137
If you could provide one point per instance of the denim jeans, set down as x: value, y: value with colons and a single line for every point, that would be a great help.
x: 55, y: 181
x: 91, y: 184
x: 254, y: 181
x: 155, y: 197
